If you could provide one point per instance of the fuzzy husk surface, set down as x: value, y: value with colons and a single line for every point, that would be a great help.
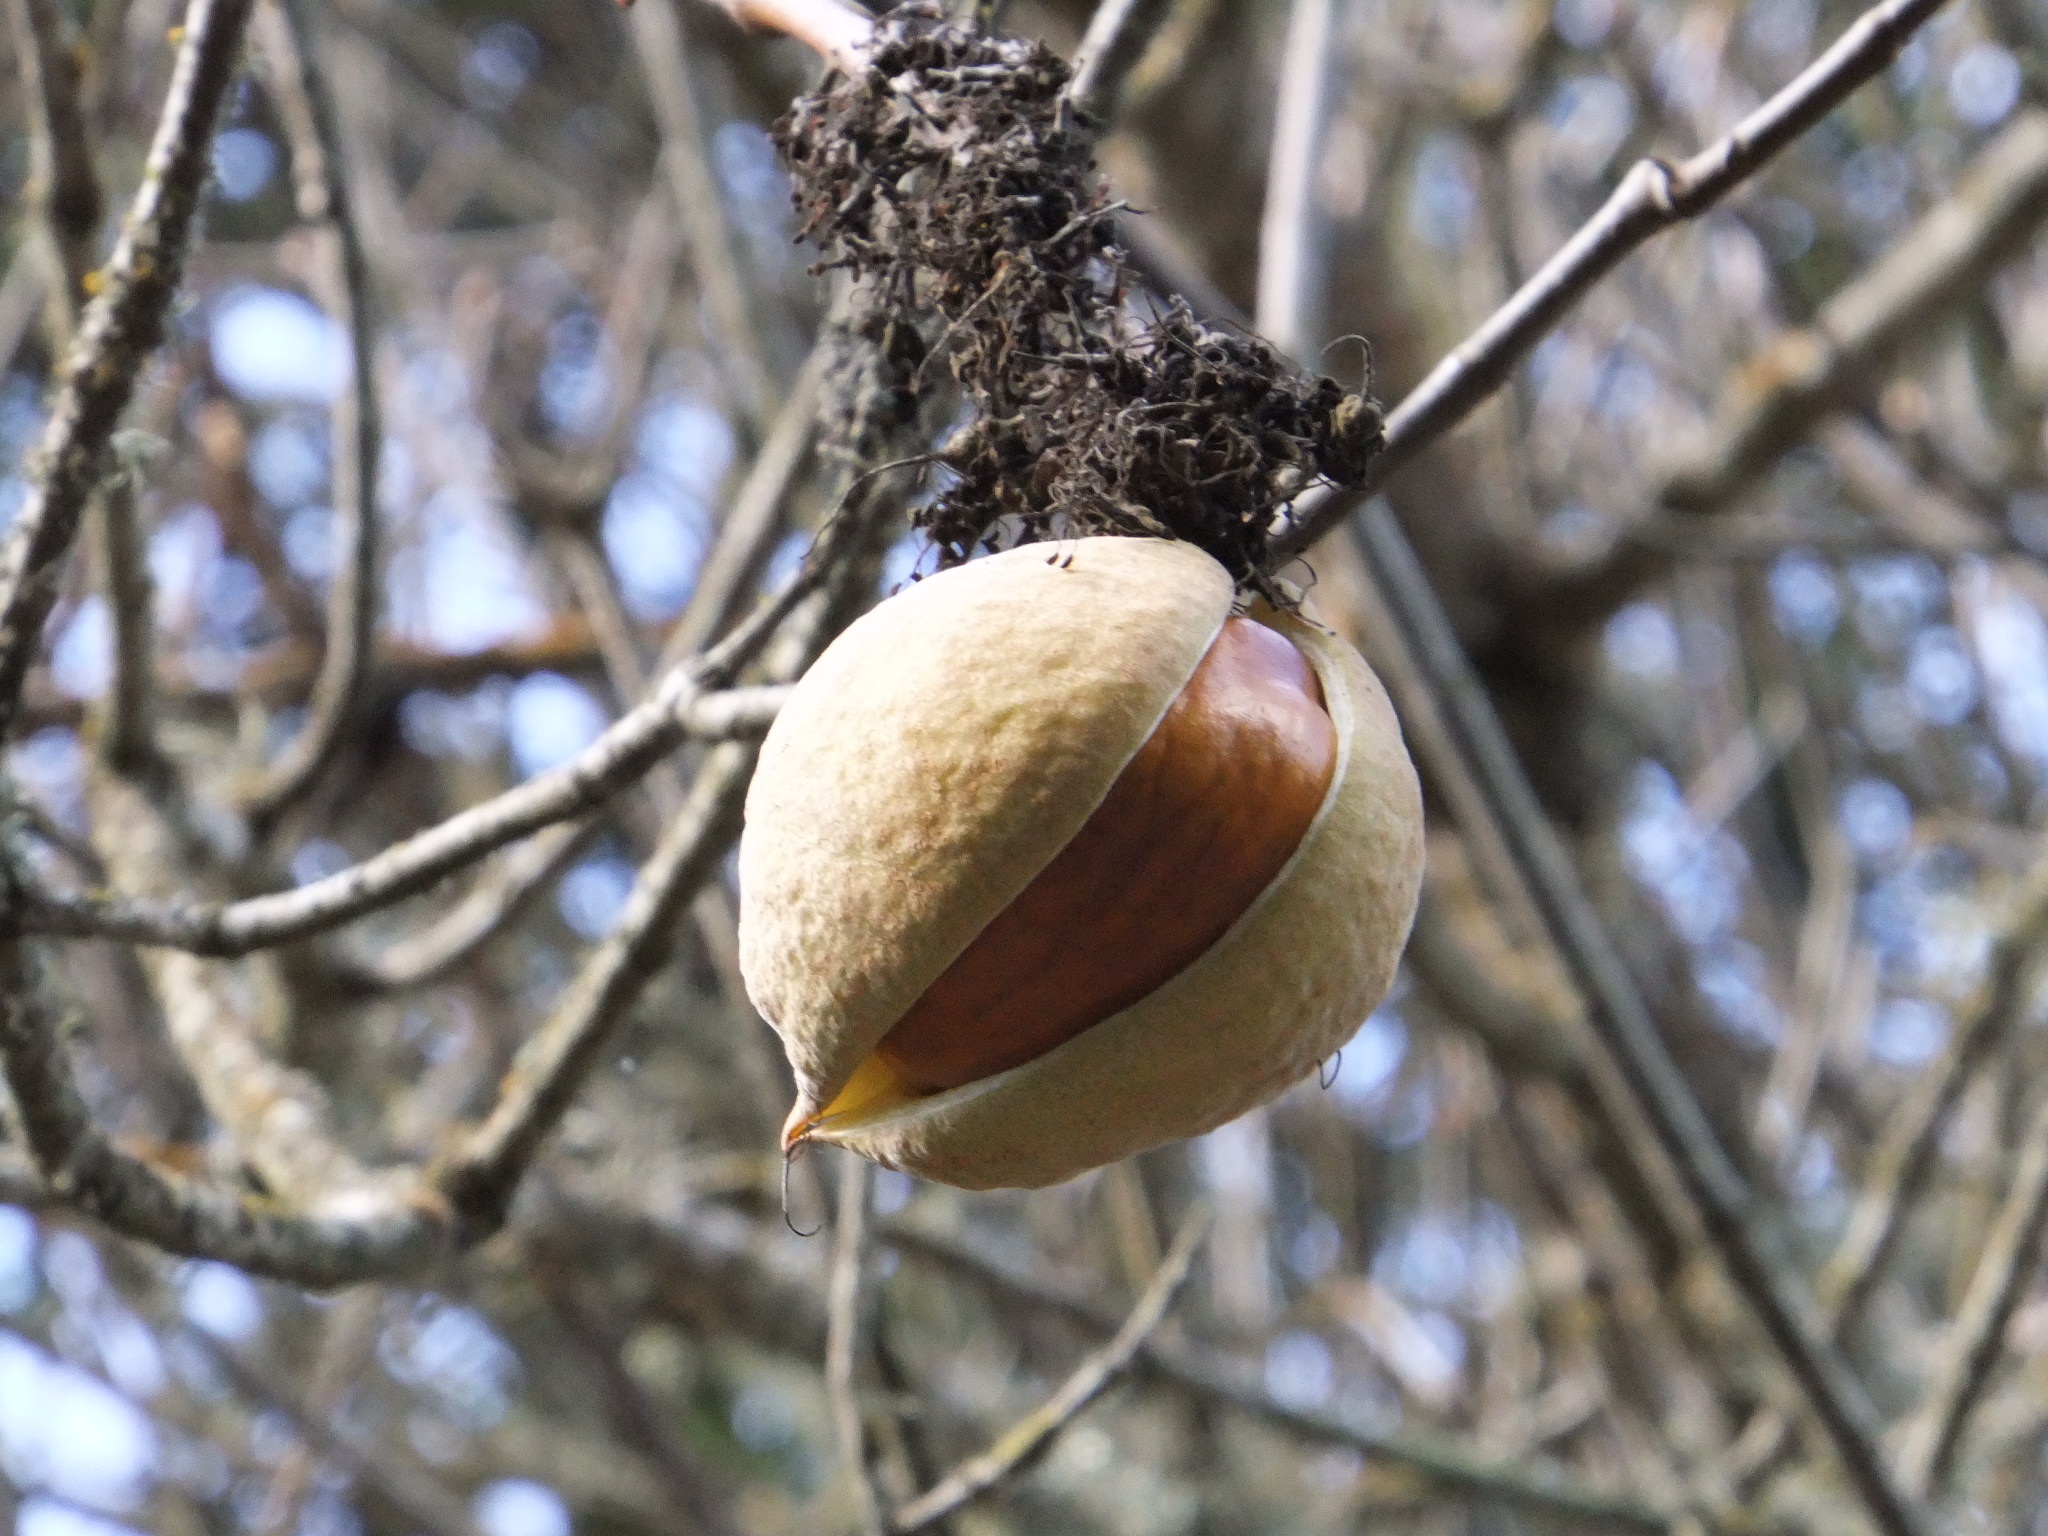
x: 943, y: 751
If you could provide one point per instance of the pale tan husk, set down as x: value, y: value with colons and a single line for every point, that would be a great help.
x: 934, y: 760
x: 939, y: 756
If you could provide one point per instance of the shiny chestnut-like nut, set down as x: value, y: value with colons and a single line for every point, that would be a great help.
x: 1051, y: 858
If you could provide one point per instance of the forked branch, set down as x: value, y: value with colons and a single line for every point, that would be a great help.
x: 1652, y: 197
x: 121, y: 328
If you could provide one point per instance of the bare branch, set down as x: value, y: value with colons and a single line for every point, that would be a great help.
x: 1904, y: 1157
x: 1652, y: 197
x: 678, y: 712
x: 1777, y: 397
x: 759, y: 512
x: 1017, y: 1446
x: 285, y: 671
x: 284, y: 33
x: 1621, y: 1023
x: 1970, y: 1350
x: 1115, y: 41
x: 837, y: 33
x: 1905, y: 1154
x: 843, y: 1336
x: 128, y: 722
x: 714, y: 257
x: 219, y: 1014
x: 365, y: 1237
x: 121, y: 328
x: 426, y: 1501
x: 1289, y: 231
x: 64, y: 188
x: 552, y: 1065
x: 644, y: 1424
x: 21, y: 295
x: 498, y: 896
x: 1516, y: 1482
x: 484, y: 1170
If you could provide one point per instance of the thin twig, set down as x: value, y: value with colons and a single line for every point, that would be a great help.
x: 1023, y: 1441
x: 1969, y: 1351
x: 1905, y: 1154
x: 483, y: 1171
x: 551, y: 1067
x: 641, y: 1422
x: 664, y: 56
x: 843, y: 1337
x: 284, y: 33
x: 1904, y: 1158
x: 63, y: 187
x: 1939, y: 263
x: 1290, y: 228
x: 498, y: 896
x: 423, y: 1499
x: 1653, y: 196
x: 757, y: 517
x: 280, y: 1120
x: 1518, y: 1483
x: 285, y: 672
x: 678, y: 712
x: 1790, y: 387
x: 1622, y: 1025
x: 127, y: 723
x: 386, y: 1234
x: 838, y: 33
x: 21, y: 295
x: 349, y: 1334
x: 1117, y: 36
x: 121, y: 328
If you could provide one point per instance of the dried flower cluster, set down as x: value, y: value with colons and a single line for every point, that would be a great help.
x: 955, y: 183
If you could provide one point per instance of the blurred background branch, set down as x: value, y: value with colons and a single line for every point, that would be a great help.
x: 452, y: 630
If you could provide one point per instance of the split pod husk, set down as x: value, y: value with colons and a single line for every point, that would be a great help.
x: 1051, y: 858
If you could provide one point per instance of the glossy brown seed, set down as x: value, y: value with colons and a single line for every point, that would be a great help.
x: 1200, y: 822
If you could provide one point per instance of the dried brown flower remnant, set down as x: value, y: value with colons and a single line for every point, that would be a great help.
x: 954, y: 182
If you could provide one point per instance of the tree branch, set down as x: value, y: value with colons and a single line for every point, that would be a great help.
x: 1777, y: 397
x: 1117, y: 36
x: 1905, y: 1154
x: 843, y: 1335
x: 685, y: 160
x: 219, y: 1015
x: 498, y: 895
x: 1516, y: 1482
x: 1622, y: 1026
x: 284, y: 34
x: 121, y: 328
x: 127, y: 727
x: 756, y: 518
x: 423, y: 1498
x: 1970, y: 1349
x: 372, y: 1235
x: 1289, y: 230
x: 1652, y: 197
x: 837, y: 33
x: 1028, y: 1438
x: 481, y: 1176
x: 21, y: 295
x: 64, y: 188
x: 679, y: 711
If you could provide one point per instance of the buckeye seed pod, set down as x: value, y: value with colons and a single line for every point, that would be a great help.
x: 1051, y: 858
